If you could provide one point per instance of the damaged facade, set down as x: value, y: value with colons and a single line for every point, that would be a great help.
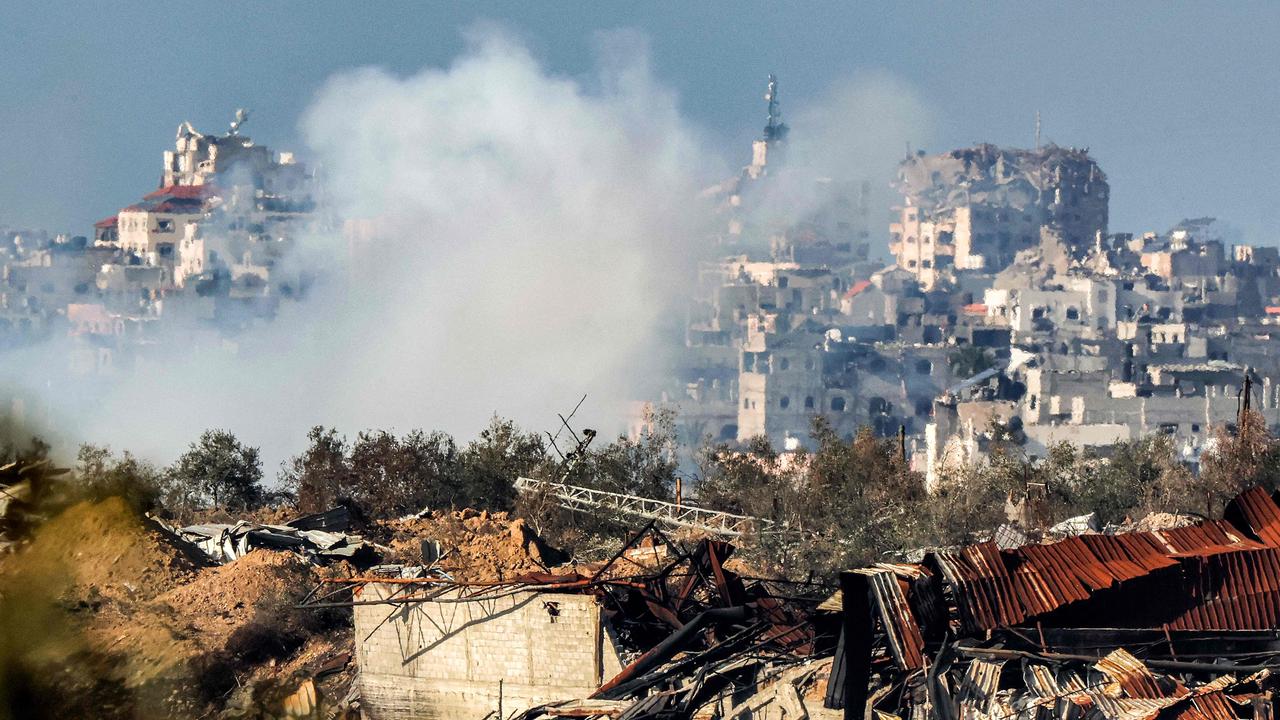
x: 627, y: 635
x: 976, y: 208
x: 1003, y: 263
x: 1160, y: 620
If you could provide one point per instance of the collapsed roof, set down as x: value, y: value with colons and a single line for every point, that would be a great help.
x: 1201, y: 601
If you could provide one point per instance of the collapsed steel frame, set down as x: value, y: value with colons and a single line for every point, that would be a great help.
x: 1174, y: 624
x: 705, y: 632
x: 574, y: 497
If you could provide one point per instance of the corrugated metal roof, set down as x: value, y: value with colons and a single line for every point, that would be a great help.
x: 1255, y: 508
x: 1132, y: 676
x: 889, y: 597
x: 1209, y: 576
x: 1233, y: 591
x: 982, y: 586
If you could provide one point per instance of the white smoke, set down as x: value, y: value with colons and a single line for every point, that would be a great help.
x: 853, y: 133
x: 514, y: 239
x: 518, y: 238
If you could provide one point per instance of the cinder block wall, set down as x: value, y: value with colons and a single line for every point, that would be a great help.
x: 445, y: 658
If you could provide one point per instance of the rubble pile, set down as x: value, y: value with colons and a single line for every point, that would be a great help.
x: 690, y: 635
x: 705, y: 639
x: 1176, y: 621
x: 104, y: 550
x: 1164, y: 618
x: 473, y: 545
x: 1171, y: 622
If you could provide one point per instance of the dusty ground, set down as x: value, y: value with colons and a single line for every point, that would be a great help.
x: 103, y: 615
x: 478, y: 546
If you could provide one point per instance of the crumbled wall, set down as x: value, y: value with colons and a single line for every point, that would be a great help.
x: 445, y: 659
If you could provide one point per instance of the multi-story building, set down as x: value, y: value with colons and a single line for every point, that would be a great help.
x: 976, y: 208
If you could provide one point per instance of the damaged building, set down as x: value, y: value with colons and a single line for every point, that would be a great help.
x: 997, y: 255
x: 976, y: 208
x: 1170, y: 617
x: 1171, y: 622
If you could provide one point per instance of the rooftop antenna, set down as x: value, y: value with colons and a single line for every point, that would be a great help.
x: 1037, y: 130
x: 564, y: 425
x: 241, y: 116
x: 774, y: 129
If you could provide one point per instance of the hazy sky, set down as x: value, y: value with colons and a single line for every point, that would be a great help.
x: 1178, y: 102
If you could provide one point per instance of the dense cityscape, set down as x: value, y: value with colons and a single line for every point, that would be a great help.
x: 570, y: 369
x: 1002, y: 300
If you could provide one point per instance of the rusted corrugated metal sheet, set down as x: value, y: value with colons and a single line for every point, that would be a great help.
x: 1059, y: 692
x: 1233, y: 591
x: 976, y: 696
x: 1050, y: 576
x: 1257, y: 512
x: 889, y: 597
x: 1207, y: 706
x: 1055, y: 606
x: 1128, y: 556
x: 1132, y: 676
x: 1234, y: 588
x: 982, y: 586
x: 994, y: 588
x: 1207, y: 537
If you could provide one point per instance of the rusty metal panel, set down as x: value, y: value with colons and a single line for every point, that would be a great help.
x: 982, y: 587
x: 1232, y: 591
x: 1258, y: 512
x: 1132, y: 676
x: 888, y: 594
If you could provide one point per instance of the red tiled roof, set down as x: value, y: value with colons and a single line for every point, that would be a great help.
x: 107, y: 222
x: 975, y: 309
x: 857, y: 288
x: 182, y: 192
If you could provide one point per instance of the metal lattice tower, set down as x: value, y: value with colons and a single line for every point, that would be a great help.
x: 573, y: 497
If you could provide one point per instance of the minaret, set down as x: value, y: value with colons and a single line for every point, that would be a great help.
x: 775, y: 132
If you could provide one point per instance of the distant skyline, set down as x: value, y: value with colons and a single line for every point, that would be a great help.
x: 1177, y: 103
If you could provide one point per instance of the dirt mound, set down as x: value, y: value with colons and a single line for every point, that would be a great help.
x: 476, y: 546
x: 231, y: 595
x: 102, y: 550
x: 103, y: 611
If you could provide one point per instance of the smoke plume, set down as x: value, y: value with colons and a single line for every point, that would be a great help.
x: 511, y: 240
x: 494, y: 239
x: 849, y: 137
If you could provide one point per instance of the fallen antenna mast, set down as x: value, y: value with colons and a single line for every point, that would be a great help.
x: 574, y: 497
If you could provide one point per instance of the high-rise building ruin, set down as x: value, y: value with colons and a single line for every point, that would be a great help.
x: 976, y: 208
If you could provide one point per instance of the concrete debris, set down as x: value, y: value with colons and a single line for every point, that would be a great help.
x: 1162, y: 521
x: 223, y: 542
x: 470, y: 545
x: 676, y: 632
x: 1079, y: 525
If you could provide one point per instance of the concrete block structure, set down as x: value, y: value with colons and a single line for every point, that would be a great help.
x: 459, y: 657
